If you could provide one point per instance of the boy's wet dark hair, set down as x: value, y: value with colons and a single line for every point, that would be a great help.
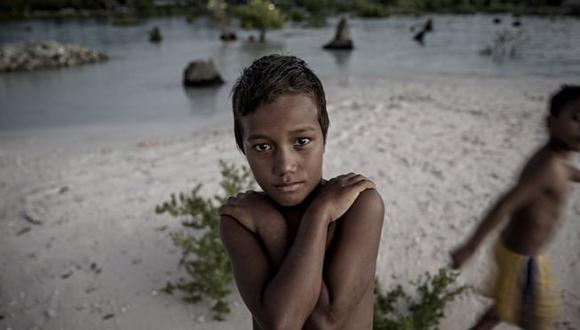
x: 567, y: 93
x: 272, y: 76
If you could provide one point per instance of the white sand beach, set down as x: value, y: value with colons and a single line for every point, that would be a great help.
x: 82, y: 248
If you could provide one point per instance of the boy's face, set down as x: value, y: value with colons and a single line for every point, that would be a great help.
x: 284, y: 145
x: 565, y: 127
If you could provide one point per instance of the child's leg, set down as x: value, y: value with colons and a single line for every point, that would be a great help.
x: 486, y: 321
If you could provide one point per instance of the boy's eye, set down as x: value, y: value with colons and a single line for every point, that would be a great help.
x: 302, y: 141
x: 261, y: 147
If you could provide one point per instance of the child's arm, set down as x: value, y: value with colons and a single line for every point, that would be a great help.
x: 506, y: 204
x: 285, y: 297
x: 255, y: 212
x: 350, y: 268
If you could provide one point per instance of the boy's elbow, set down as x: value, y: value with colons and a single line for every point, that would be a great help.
x: 281, y: 322
x: 282, y: 318
x: 327, y: 319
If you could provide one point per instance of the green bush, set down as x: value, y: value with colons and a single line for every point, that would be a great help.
x: 366, y: 8
x: 203, y: 255
x: 422, y: 311
x: 260, y: 15
x: 296, y: 15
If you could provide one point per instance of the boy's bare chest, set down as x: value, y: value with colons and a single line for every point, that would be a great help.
x: 293, y: 230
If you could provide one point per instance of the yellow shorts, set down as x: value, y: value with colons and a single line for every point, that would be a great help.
x: 524, y: 289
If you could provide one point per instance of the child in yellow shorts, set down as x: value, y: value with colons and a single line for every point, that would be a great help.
x: 524, y: 293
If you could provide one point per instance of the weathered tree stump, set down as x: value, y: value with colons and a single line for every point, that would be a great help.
x: 342, y: 39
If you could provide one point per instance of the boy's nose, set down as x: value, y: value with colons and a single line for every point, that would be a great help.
x: 285, y: 162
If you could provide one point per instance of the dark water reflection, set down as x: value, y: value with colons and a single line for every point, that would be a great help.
x: 142, y: 81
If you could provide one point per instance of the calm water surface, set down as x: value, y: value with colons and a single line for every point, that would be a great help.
x: 142, y: 81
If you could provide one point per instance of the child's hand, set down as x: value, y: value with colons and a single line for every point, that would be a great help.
x: 337, y: 195
x: 460, y: 255
x: 250, y: 209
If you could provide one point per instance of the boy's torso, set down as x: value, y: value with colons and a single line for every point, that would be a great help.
x: 532, y: 226
x: 361, y: 317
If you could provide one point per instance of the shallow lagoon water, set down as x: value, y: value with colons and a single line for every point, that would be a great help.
x: 141, y: 83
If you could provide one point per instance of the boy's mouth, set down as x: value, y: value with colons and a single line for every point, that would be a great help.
x: 289, y: 187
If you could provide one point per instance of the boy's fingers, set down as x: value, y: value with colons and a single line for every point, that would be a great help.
x: 341, y: 178
x: 356, y: 178
x: 223, y: 210
x: 345, y: 180
x: 350, y: 176
x: 364, y: 184
x: 228, y: 209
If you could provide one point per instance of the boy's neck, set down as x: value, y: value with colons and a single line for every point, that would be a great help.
x: 296, y: 211
x: 557, y: 147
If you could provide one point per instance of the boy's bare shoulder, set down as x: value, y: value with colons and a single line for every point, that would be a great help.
x: 370, y: 198
x: 369, y: 204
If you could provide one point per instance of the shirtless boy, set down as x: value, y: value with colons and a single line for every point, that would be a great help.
x: 304, y: 250
x: 523, y: 290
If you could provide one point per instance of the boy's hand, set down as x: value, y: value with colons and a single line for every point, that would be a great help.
x: 460, y: 255
x: 250, y: 209
x: 337, y: 195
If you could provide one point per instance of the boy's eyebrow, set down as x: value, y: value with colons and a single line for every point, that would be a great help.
x: 304, y: 129
x: 257, y: 136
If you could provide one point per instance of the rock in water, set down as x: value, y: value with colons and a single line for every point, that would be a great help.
x: 201, y: 74
x: 228, y: 35
x: 342, y: 38
x: 45, y: 54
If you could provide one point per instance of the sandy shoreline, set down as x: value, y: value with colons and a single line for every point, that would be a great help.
x: 439, y: 150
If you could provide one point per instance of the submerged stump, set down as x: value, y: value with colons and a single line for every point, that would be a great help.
x: 342, y: 39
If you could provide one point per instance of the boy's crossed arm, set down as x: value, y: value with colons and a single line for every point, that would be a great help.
x: 290, y: 291
x: 350, y: 268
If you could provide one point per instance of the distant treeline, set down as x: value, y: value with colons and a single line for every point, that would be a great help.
x: 293, y: 8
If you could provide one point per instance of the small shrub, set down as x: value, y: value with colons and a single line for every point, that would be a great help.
x: 296, y: 15
x: 203, y: 255
x: 155, y: 35
x: 368, y: 9
x: 261, y: 15
x: 398, y: 310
